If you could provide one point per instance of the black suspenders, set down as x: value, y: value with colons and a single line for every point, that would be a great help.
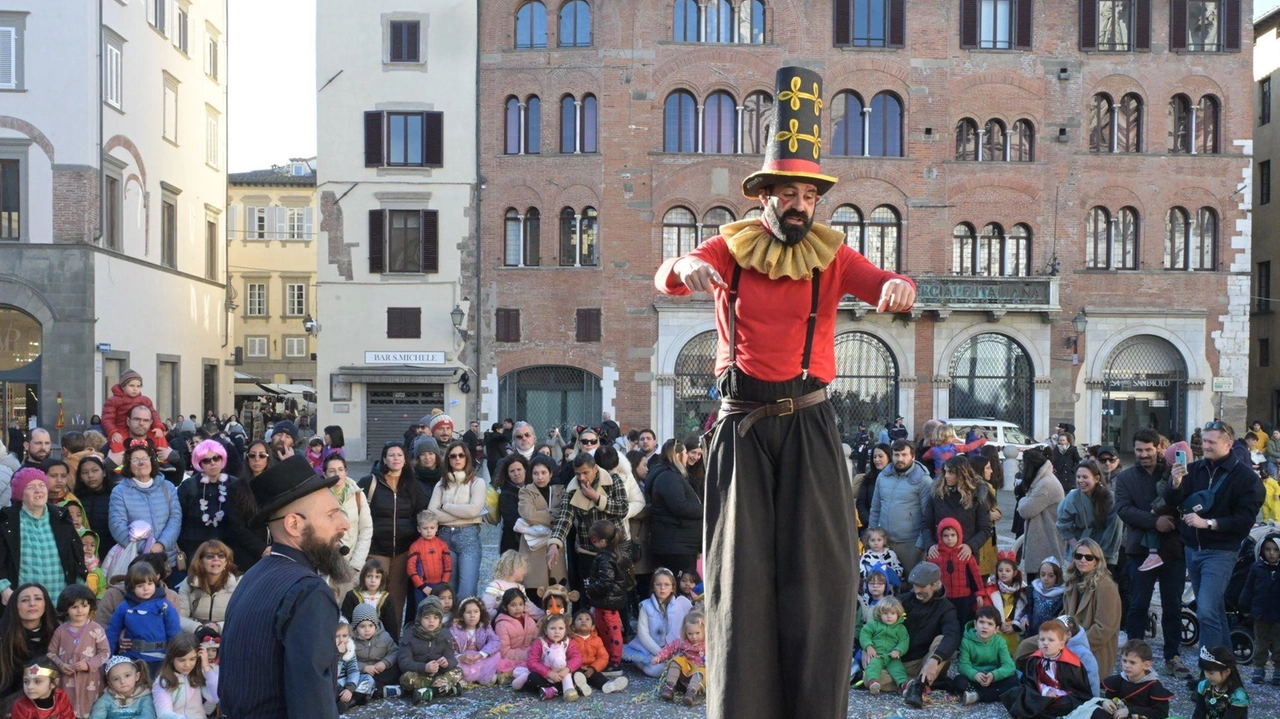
x: 808, y: 336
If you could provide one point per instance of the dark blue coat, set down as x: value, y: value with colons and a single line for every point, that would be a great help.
x: 277, y: 642
x: 1235, y: 504
x: 1262, y: 585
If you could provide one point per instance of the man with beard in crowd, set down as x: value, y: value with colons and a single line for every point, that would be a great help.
x: 139, y: 424
x: 781, y: 511
x: 277, y: 647
x: 38, y: 447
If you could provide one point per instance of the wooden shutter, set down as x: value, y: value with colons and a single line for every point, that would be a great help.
x: 233, y: 221
x: 250, y: 222
x: 842, y: 23
x: 411, y: 42
x: 1231, y: 25
x: 397, y: 42
x: 1177, y: 24
x: 430, y: 241
x: 968, y: 23
x: 308, y: 223
x: 9, y: 59
x: 508, y: 325
x: 377, y: 241
x: 1088, y: 24
x: 373, y: 143
x: 1142, y: 25
x: 897, y: 23
x: 1022, y: 33
x: 404, y: 322
x: 588, y: 329
x: 433, y: 139
x: 282, y: 222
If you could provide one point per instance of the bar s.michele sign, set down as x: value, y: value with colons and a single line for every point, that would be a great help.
x: 404, y: 358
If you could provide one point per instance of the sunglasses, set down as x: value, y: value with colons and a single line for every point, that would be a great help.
x: 1085, y: 557
x: 1215, y: 426
x: 1109, y: 460
x: 211, y: 460
x: 258, y: 455
x: 587, y: 442
x: 457, y: 456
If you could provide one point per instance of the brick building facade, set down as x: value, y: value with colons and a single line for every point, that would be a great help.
x: 1071, y: 196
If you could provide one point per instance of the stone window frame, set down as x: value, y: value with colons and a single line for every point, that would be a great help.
x: 212, y: 136
x: 114, y: 169
x: 169, y: 245
x: 169, y: 84
x: 289, y: 281
x: 295, y: 338
x: 249, y: 282
x: 266, y: 346
x: 424, y: 25
x: 176, y: 361
x: 113, y: 41
x: 17, y: 23
x: 17, y: 148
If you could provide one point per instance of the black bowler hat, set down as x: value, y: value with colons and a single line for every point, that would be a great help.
x: 286, y: 481
x: 794, y: 146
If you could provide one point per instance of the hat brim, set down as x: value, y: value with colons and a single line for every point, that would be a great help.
x: 313, y: 484
x: 756, y: 181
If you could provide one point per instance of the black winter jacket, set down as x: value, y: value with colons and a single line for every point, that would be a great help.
x: 395, y: 513
x: 926, y: 620
x: 233, y: 530
x: 675, y: 513
x: 509, y: 510
x: 1135, y: 490
x: 97, y: 508
x: 1235, y: 505
x: 610, y: 579
x: 1064, y: 466
x: 1262, y: 585
x: 70, y: 550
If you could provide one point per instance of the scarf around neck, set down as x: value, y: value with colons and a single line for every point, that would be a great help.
x: 754, y: 247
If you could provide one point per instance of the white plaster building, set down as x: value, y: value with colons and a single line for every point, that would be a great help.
x: 397, y: 182
x: 112, y: 151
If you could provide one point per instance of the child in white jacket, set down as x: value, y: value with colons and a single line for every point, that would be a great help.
x: 186, y: 687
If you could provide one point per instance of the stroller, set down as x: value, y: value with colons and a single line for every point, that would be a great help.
x: 1239, y: 624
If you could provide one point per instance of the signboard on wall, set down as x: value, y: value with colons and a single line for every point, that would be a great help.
x: 371, y: 357
x: 1224, y: 384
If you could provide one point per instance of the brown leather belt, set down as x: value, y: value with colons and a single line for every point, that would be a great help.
x: 756, y: 411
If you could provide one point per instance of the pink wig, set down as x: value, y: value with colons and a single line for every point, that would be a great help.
x: 206, y: 448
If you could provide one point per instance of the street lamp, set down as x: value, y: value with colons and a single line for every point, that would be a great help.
x: 457, y: 315
x: 1078, y: 324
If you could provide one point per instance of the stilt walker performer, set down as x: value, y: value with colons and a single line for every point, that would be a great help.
x: 780, y: 532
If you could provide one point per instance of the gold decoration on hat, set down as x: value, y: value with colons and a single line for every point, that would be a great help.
x: 792, y: 137
x: 794, y: 96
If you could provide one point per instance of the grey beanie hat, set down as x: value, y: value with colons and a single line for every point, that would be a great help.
x: 426, y: 443
x: 365, y: 613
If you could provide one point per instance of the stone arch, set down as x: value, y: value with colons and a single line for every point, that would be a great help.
x: 31, y: 131
x: 1118, y: 85
x: 906, y: 360
x: 1039, y: 363
x: 522, y: 197
x: 964, y: 187
x: 577, y: 197
x: 1113, y: 197
x: 1098, y: 366
x: 667, y: 362
x: 127, y: 145
x: 17, y: 293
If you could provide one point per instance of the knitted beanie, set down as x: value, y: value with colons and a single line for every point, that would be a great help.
x: 430, y: 605
x: 426, y: 443
x: 129, y: 375
x: 365, y: 613
x: 26, y: 476
x: 438, y: 420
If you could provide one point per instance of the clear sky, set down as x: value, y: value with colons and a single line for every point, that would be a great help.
x: 1262, y: 7
x: 271, y: 58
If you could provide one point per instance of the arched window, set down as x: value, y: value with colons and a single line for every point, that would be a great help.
x: 1207, y: 126
x: 846, y: 122
x: 756, y: 113
x: 531, y: 26
x: 588, y: 141
x: 1098, y: 239
x: 1129, y: 124
x: 751, y: 29
x: 568, y: 124
x: 1124, y: 252
x: 532, y: 125
x: 1111, y: 242
x: 1017, y: 252
x: 882, y: 232
x: 679, y: 232
x: 864, y: 389
x: 532, y: 233
x: 992, y: 376
x: 990, y: 250
x: 964, y: 248
x: 885, y: 126
x: 685, y: 16
x: 511, y: 127
x: 712, y: 221
x: 549, y: 396
x: 679, y: 125
x: 696, y: 398
x: 967, y: 139
x: 577, y: 237
x: 575, y: 24
x: 520, y: 237
x: 588, y: 247
x: 848, y: 220
x: 754, y: 213
x: 719, y: 124
x: 1022, y: 140
x: 1100, y: 127
x: 1178, y: 126
x: 1176, y: 227
x: 719, y: 21
x: 1203, y: 240
x: 1191, y: 241
x: 993, y: 142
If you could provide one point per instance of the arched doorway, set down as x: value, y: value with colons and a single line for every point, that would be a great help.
x: 865, y: 387
x: 992, y: 377
x: 1144, y: 385
x: 20, y: 349
x: 696, y: 397
x: 550, y: 396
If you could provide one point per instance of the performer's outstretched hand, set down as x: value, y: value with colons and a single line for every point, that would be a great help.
x: 698, y: 275
x: 896, y: 296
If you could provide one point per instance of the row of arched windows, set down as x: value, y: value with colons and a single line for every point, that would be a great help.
x: 995, y: 143
x: 1190, y: 239
x: 1190, y: 128
x: 719, y: 21
x: 522, y: 125
x: 991, y: 252
x: 574, y: 27
x: 860, y: 129
x: 522, y: 235
x: 718, y: 126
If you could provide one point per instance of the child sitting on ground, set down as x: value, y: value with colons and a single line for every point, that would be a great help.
x: 516, y: 631
x: 553, y: 660
x: 985, y: 669
x: 961, y: 578
x: 508, y: 573
x: 126, y: 395
x: 1053, y: 681
x: 686, y: 660
x: 354, y: 688
x: 879, y: 556
x: 79, y: 648
x: 376, y: 652
x: 429, y: 561
x: 1221, y: 694
x: 42, y: 698
x: 885, y: 639
x: 372, y: 590
x: 128, y: 694
x: 691, y: 587
x: 1261, y: 587
x: 1044, y: 596
x: 148, y: 617
x: 476, y: 645
x: 1006, y: 592
x: 1078, y: 643
x: 1136, y: 692
x: 187, y: 685
x: 875, y: 588
x: 428, y: 666
x: 595, y: 659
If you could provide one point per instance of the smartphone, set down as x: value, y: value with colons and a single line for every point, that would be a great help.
x: 1180, y: 457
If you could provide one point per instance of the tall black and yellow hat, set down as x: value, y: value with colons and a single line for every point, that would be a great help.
x: 795, y: 136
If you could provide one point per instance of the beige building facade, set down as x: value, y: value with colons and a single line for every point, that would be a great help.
x: 1264, y: 370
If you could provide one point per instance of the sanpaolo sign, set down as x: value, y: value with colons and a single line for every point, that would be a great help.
x: 374, y: 357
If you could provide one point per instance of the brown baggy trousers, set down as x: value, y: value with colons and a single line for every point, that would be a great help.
x: 780, y: 564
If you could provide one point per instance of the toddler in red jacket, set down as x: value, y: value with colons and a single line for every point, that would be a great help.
x: 429, y: 562
x: 961, y: 578
x: 126, y: 395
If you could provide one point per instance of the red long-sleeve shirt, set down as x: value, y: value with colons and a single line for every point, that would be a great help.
x: 773, y: 314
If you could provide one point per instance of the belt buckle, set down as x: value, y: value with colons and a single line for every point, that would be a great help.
x: 791, y: 406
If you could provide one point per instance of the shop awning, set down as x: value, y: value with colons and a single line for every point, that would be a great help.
x: 397, y: 374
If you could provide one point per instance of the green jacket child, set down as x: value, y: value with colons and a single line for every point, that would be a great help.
x: 984, y: 657
x: 886, y: 634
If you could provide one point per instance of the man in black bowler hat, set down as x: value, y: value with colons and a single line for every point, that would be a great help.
x: 277, y: 643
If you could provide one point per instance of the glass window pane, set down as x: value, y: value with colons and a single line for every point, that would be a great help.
x: 847, y: 124
x: 568, y: 124
x: 1113, y: 24
x: 413, y: 130
x: 533, y: 124
x: 589, y: 124
x: 1204, y: 25
x: 513, y: 126
x: 587, y: 238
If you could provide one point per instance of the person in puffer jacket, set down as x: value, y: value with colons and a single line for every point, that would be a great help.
x: 142, y: 494
x: 376, y: 651
x: 898, y: 504
x: 354, y: 688
x: 1258, y: 597
x: 429, y: 668
x: 961, y: 577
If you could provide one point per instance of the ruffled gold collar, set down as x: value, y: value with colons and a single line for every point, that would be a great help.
x: 755, y: 248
